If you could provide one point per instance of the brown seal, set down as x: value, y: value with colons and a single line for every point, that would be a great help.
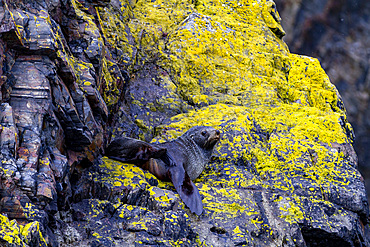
x: 132, y: 150
x: 180, y: 161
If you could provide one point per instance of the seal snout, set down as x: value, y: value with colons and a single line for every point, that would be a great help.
x: 214, y: 137
x: 217, y: 134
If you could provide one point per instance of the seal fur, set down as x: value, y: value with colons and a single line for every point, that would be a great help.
x: 131, y: 150
x: 180, y: 161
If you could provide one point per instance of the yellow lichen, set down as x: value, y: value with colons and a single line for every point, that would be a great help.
x: 122, y: 174
x: 278, y: 111
x: 10, y: 231
x: 18, y: 235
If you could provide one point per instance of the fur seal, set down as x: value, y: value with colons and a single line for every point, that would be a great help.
x: 180, y: 161
x: 132, y: 150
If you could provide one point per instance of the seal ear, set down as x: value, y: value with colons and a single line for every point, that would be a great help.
x: 186, y: 189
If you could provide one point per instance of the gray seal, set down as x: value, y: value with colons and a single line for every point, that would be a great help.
x: 180, y: 161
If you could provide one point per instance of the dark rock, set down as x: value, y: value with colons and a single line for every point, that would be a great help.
x: 75, y: 74
x: 336, y: 33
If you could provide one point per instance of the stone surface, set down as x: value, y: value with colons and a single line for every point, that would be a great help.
x: 13, y: 234
x: 77, y: 73
x: 336, y: 32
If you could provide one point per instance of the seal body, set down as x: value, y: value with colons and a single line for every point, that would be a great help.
x: 194, y: 148
x: 131, y: 150
x: 180, y: 161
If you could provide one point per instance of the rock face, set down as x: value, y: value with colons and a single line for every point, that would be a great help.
x: 336, y: 32
x: 77, y: 73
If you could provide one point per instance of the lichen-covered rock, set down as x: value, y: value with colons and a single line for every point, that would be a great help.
x: 336, y: 33
x: 78, y: 73
x: 13, y: 234
x: 99, y: 222
x: 52, y: 111
x: 286, y: 155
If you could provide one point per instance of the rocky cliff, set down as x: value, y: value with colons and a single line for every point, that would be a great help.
x: 337, y: 32
x: 77, y: 73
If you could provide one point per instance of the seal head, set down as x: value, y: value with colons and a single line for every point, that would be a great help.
x: 197, y: 144
x: 205, y: 137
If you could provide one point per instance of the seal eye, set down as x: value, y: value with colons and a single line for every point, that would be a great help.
x: 204, y: 133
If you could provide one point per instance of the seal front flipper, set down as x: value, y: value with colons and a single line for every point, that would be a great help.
x: 131, y: 150
x: 168, y: 159
x: 186, y: 188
